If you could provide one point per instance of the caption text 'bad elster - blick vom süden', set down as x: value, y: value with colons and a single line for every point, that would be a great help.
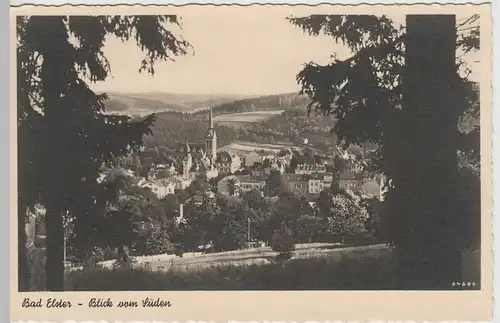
x: 94, y: 302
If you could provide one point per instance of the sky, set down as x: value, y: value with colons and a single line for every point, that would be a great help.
x: 250, y: 54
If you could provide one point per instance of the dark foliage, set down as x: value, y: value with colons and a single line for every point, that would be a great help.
x: 64, y: 135
x: 283, y: 242
x: 380, y: 96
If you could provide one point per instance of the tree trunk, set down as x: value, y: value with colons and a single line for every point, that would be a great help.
x: 54, y: 265
x: 55, y: 79
x: 23, y: 270
x: 429, y: 253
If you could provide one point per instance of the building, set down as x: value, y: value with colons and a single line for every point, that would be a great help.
x: 159, y: 188
x: 307, y: 184
x: 112, y: 173
x: 199, y: 197
x: 296, y: 183
x: 181, y: 182
x: 350, y: 180
x: 228, y: 163
x: 202, y: 165
x: 318, y: 182
x: 161, y: 171
x: 248, y: 182
x: 203, y: 159
x: 211, y: 139
x: 205, y: 164
x: 285, y: 156
x: 372, y: 187
x: 310, y: 169
x: 257, y: 156
x: 267, y: 167
x: 252, y: 158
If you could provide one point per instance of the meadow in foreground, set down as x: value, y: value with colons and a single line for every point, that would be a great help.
x: 353, y: 270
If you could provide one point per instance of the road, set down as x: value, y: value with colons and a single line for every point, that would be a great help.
x: 258, y: 255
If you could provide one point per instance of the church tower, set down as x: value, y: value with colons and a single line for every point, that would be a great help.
x: 211, y: 139
x: 187, y: 163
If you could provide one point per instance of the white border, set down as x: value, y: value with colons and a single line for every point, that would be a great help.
x: 4, y: 158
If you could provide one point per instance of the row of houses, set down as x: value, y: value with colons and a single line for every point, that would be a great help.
x: 299, y: 184
x: 165, y: 186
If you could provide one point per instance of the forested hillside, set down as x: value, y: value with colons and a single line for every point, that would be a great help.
x: 269, y: 102
x: 171, y: 128
x: 292, y: 125
x: 140, y: 104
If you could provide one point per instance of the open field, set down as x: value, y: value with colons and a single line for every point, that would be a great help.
x: 246, y: 117
x: 247, y: 146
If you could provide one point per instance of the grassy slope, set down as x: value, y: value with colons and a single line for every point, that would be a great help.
x: 355, y: 268
x: 359, y: 268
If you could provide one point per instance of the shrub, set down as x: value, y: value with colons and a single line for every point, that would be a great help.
x: 155, y: 241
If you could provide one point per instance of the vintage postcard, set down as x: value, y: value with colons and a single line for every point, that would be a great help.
x: 244, y: 163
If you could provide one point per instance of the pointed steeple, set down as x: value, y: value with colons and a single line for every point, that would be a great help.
x: 210, y: 117
x: 211, y: 138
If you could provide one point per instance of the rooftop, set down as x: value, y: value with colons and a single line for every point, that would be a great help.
x: 250, y: 178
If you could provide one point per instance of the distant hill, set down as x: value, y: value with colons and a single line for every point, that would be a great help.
x: 140, y: 104
x: 261, y: 103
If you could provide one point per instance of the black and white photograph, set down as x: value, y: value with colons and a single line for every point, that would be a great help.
x: 251, y: 149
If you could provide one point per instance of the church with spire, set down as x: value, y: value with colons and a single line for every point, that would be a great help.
x: 211, y: 138
x: 205, y: 160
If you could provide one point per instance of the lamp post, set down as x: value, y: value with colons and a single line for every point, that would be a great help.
x: 64, y: 256
x: 68, y: 228
x: 248, y: 232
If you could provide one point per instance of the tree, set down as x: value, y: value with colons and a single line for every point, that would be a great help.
x: 374, y: 207
x: 157, y: 239
x: 171, y: 206
x: 63, y: 131
x: 283, y: 242
x: 285, y: 211
x: 274, y: 184
x: 200, y: 212
x: 200, y: 184
x: 259, y: 214
x: 309, y: 228
x: 345, y: 215
x: 427, y: 178
x: 229, y: 230
x: 111, y: 226
x: 383, y: 95
x: 116, y: 232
